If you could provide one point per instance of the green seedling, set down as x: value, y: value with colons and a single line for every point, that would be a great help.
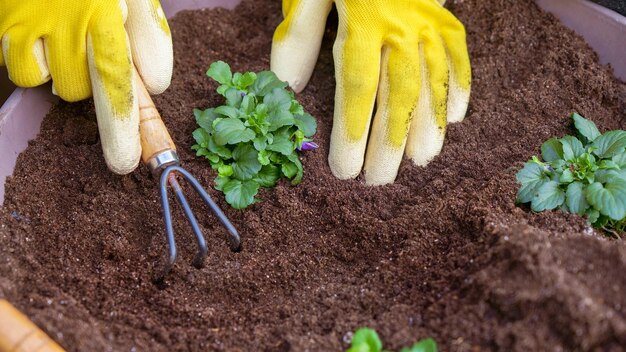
x: 367, y: 340
x: 253, y: 140
x: 585, y: 175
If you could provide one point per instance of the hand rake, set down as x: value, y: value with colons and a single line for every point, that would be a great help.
x: 159, y: 155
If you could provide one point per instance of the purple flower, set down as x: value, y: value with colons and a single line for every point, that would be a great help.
x: 306, y: 145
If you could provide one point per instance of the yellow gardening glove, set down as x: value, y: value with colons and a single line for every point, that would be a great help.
x: 408, y: 56
x: 85, y: 47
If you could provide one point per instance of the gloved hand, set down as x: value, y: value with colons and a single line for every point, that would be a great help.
x: 85, y: 47
x: 408, y: 56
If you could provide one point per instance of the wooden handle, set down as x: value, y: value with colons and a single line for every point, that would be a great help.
x: 155, y: 138
x: 19, y: 334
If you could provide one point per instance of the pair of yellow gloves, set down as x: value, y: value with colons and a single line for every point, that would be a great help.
x: 407, y: 56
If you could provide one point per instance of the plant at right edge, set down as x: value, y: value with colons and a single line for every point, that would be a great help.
x: 585, y: 175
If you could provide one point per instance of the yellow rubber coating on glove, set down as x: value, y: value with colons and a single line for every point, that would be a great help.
x: 407, y: 56
x: 64, y: 26
x: 90, y: 48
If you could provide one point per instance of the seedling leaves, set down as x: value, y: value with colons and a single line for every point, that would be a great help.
x: 586, y: 128
x: 220, y: 71
x: 609, y: 199
x: 253, y: 139
x: 549, y: 196
x: 240, y: 194
x: 610, y: 144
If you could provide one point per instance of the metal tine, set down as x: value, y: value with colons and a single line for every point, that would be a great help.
x: 169, y: 230
x: 199, y: 260
x: 169, y: 176
x: 235, y: 241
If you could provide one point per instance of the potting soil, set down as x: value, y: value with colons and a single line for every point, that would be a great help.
x: 443, y: 252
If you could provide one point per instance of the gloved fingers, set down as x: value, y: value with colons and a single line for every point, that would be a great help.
x: 111, y: 71
x: 297, y: 40
x: 357, y: 69
x: 398, y: 93
x: 151, y: 43
x: 67, y: 61
x: 428, y: 125
x: 23, y: 53
x: 453, y: 35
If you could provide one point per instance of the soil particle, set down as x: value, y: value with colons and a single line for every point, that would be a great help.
x: 443, y: 252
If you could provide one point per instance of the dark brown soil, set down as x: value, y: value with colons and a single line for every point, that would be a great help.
x: 443, y: 252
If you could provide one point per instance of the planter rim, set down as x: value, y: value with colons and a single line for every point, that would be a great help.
x: 21, y: 115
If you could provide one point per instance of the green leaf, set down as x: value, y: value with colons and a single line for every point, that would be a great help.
x: 620, y: 160
x: 205, y: 118
x: 223, y: 88
x: 280, y: 118
x: 277, y: 100
x: 242, y: 81
x: 229, y: 111
x: 572, y: 147
x: 586, y: 127
x: 281, y: 145
x: 246, y: 164
x: 220, y: 182
x: 268, y: 176
x: 264, y: 157
x: 306, y: 123
x: 260, y: 143
x: 213, y: 158
x: 608, y: 164
x: 296, y: 108
x: 604, y: 175
x: 232, y: 131
x: 548, y: 196
x: 592, y: 215
x: 575, y: 198
x: 368, y: 337
x: 261, y: 110
x: 225, y: 170
x: 265, y: 82
x: 298, y: 138
x: 202, y: 137
x: 610, y: 144
x: 532, y: 176
x: 220, y: 150
x: 425, y: 345
x: 289, y: 169
x: 609, y: 199
x: 552, y: 150
x: 220, y: 71
x: 293, y: 158
x: 240, y: 194
x: 233, y: 99
x: 566, y: 176
x: 248, y: 104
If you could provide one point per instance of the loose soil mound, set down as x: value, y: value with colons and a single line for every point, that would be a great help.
x: 443, y: 252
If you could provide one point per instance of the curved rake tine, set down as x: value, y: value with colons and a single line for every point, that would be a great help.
x: 235, y: 241
x: 169, y: 229
x: 199, y: 260
x: 169, y: 176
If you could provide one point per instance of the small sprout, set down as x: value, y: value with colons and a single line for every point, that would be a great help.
x: 254, y: 139
x: 585, y: 175
x: 367, y: 340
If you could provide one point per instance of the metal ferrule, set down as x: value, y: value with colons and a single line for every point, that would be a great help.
x: 161, y: 161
